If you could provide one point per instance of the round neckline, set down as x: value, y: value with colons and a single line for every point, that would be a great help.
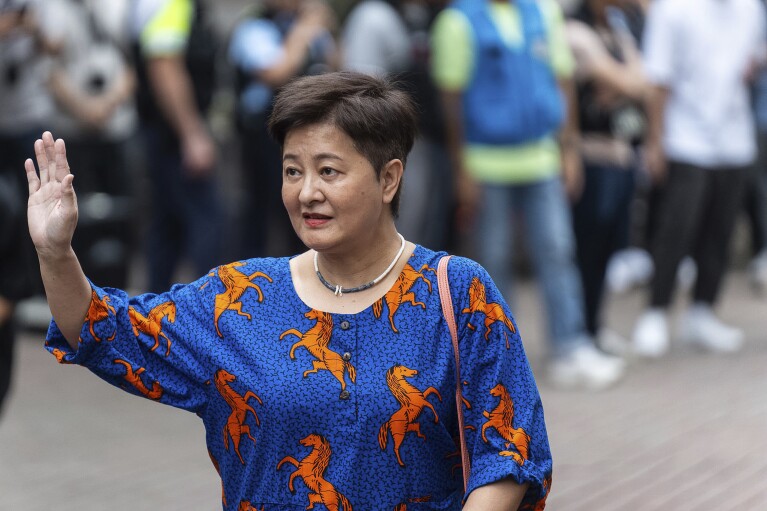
x: 416, y: 252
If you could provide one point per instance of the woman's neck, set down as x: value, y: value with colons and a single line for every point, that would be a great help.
x: 362, y: 262
x: 317, y: 296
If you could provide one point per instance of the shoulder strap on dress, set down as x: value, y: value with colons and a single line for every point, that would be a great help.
x: 443, y: 283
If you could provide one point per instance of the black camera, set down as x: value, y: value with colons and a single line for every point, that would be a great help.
x: 96, y: 83
x: 11, y: 74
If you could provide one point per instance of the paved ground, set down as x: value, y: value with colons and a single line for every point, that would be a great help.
x: 684, y: 433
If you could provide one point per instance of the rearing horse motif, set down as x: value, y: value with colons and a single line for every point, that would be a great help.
x: 311, y: 470
x: 235, y: 425
x: 412, y: 402
x: 99, y: 310
x: 236, y: 283
x: 401, y: 292
x: 402, y: 506
x: 501, y: 418
x: 151, y: 325
x: 493, y: 311
x: 316, y: 341
x: 247, y: 506
x: 134, y: 378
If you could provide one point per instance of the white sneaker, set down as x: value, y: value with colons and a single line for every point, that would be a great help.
x: 701, y: 327
x: 613, y: 343
x: 687, y: 273
x: 651, y: 338
x: 627, y: 269
x: 586, y: 367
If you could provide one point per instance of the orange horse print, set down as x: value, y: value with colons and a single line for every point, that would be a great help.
x: 466, y: 403
x: 236, y: 283
x: 247, y: 506
x: 501, y: 418
x: 316, y: 341
x: 151, y: 324
x: 235, y: 425
x: 402, y: 506
x: 99, y: 310
x: 400, y: 293
x: 493, y: 311
x: 412, y: 402
x: 59, y: 355
x: 134, y: 378
x: 311, y: 470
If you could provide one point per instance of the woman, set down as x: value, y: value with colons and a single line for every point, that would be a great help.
x: 611, y: 88
x: 334, y: 367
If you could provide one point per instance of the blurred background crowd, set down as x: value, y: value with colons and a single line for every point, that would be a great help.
x: 163, y: 105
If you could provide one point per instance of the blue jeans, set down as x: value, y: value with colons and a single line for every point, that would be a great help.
x: 543, y: 208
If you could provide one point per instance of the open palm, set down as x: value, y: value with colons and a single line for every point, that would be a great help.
x: 52, y: 205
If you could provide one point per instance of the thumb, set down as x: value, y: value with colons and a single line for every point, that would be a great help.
x: 68, y: 198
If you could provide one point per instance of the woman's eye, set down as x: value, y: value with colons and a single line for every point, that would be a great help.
x: 327, y: 171
x: 290, y: 171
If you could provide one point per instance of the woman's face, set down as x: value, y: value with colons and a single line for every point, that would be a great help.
x: 331, y: 192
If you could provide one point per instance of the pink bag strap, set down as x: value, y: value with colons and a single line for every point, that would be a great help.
x: 443, y: 283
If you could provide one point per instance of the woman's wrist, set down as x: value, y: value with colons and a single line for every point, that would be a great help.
x: 56, y: 257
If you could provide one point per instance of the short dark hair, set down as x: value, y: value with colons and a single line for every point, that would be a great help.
x: 380, y: 118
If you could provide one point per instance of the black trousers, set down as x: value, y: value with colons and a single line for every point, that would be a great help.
x: 6, y: 359
x: 755, y: 198
x: 19, y: 274
x: 698, y: 210
x: 601, y: 226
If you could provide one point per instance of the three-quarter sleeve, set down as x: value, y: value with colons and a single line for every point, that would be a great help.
x: 504, y: 424
x: 149, y: 345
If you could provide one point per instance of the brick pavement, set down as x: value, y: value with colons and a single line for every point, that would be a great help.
x: 684, y: 433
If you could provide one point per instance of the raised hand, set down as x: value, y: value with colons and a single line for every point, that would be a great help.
x: 52, y: 205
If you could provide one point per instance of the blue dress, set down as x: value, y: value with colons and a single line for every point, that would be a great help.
x: 306, y: 408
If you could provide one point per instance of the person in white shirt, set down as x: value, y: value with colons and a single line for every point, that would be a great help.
x: 699, y: 55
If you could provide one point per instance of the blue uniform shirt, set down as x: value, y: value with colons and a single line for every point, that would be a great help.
x: 343, y: 411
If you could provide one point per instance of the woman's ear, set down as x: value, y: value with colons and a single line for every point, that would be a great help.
x: 391, y: 178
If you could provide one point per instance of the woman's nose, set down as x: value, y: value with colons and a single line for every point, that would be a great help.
x: 310, y: 190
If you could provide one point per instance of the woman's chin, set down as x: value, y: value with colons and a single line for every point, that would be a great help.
x: 317, y: 240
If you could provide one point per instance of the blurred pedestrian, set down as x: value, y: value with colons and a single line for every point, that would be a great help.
x: 505, y: 70
x: 611, y: 88
x: 175, y: 54
x: 93, y: 83
x: 756, y: 190
x: 29, y: 35
x: 699, y: 56
x: 392, y: 38
x: 274, y: 42
x: 15, y: 265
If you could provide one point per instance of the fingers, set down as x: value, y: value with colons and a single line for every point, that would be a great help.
x: 50, y: 154
x: 48, y: 143
x: 42, y: 161
x: 62, y: 166
x: 51, y: 158
x: 32, y: 180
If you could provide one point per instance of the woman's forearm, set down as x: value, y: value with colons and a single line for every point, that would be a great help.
x: 68, y: 292
x: 503, y: 495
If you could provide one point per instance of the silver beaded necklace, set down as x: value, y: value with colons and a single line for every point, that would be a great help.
x: 338, y: 290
